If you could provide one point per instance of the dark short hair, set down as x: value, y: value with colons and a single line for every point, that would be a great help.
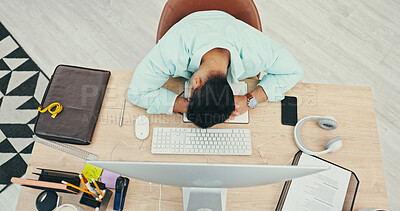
x: 212, y: 103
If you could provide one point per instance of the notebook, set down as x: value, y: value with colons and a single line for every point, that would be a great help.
x: 80, y: 91
x: 239, y: 88
x: 333, y: 189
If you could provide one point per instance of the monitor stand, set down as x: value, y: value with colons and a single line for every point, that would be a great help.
x: 211, y: 198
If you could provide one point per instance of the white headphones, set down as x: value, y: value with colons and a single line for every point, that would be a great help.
x: 325, y: 122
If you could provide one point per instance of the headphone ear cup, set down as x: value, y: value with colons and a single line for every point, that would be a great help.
x: 334, y: 144
x: 328, y: 123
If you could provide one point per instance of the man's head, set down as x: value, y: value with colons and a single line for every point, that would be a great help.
x: 211, y: 99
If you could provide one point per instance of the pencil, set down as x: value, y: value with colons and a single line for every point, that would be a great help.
x: 89, y: 187
x: 95, y: 184
x: 83, y: 182
x: 78, y: 188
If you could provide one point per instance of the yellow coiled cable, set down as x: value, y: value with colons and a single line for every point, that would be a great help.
x: 51, y: 106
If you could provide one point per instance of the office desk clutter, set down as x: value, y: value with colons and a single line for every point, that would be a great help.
x: 109, y: 178
x: 92, y: 172
x: 50, y: 179
x: 101, y: 200
x: 87, y: 186
x: 274, y: 140
x: 97, y: 194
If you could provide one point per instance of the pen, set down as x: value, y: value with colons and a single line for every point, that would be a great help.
x: 78, y: 188
x: 95, y: 184
x: 83, y: 182
x: 122, y: 113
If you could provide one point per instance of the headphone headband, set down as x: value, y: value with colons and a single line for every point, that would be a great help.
x: 325, y: 122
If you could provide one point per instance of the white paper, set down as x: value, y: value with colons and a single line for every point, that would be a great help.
x: 323, y: 191
x: 239, y: 88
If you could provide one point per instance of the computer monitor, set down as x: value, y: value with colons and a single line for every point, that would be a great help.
x: 205, y: 185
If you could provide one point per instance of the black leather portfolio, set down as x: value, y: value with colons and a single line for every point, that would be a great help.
x: 80, y: 91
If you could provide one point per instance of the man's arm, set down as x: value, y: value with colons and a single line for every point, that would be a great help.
x: 154, y: 70
x: 282, y: 75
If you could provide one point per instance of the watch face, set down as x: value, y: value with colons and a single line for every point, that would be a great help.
x: 253, y: 102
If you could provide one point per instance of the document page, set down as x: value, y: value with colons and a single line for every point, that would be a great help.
x: 323, y: 191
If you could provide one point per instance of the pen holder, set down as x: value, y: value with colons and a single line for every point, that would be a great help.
x: 91, y: 201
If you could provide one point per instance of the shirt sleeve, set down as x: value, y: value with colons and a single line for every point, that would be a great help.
x: 284, y: 72
x: 145, y: 89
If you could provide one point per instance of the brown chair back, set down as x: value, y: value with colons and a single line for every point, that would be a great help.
x: 175, y: 10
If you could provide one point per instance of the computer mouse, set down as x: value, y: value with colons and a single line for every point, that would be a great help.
x: 142, y: 127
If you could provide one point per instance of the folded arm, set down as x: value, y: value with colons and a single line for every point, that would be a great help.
x: 146, y: 89
x: 282, y: 75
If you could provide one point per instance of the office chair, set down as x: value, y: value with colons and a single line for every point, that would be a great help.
x: 175, y: 10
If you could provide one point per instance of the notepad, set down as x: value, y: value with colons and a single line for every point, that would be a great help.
x: 239, y: 88
x: 91, y: 171
x: 109, y: 178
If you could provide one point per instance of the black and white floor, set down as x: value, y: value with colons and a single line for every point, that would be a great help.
x: 22, y: 85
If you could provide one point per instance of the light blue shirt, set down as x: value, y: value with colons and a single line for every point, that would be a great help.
x: 179, y: 53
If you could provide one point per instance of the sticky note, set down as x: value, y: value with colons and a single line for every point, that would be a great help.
x: 91, y: 171
x: 109, y: 178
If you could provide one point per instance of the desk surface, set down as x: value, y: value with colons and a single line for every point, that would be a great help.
x: 351, y: 106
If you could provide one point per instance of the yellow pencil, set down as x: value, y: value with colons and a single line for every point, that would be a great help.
x: 95, y: 184
x: 78, y: 188
x: 83, y: 182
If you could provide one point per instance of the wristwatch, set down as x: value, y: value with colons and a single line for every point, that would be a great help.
x: 251, y: 101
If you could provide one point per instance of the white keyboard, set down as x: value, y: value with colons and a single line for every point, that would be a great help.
x: 167, y: 140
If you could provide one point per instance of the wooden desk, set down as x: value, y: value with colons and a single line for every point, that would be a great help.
x: 351, y: 106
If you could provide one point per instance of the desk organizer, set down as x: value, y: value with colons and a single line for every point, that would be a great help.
x: 91, y: 201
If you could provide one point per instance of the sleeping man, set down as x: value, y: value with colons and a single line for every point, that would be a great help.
x: 212, y: 49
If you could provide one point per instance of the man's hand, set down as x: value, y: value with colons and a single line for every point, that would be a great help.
x: 241, y: 106
x: 181, y: 105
